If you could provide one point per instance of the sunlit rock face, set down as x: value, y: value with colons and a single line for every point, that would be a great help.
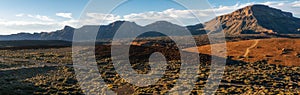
x: 256, y: 19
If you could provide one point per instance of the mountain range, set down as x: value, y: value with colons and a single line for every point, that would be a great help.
x: 254, y: 19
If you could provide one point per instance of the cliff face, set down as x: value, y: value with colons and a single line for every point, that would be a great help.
x: 256, y: 19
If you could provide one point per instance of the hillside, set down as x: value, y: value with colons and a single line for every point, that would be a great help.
x: 255, y: 19
x: 274, y: 51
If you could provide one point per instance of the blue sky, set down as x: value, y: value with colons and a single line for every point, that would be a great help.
x: 49, y: 15
x: 42, y: 7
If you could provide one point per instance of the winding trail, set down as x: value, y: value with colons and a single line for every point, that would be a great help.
x: 252, y: 46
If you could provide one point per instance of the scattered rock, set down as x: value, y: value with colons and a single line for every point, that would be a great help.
x: 277, y: 61
x: 298, y: 55
x: 241, y: 56
x: 286, y: 51
x: 268, y: 56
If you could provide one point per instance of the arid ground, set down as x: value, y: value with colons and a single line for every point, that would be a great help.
x: 282, y: 51
x: 50, y: 71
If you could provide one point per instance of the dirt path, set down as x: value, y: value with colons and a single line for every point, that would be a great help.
x: 252, y: 46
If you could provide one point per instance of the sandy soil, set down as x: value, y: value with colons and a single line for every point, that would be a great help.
x: 276, y: 51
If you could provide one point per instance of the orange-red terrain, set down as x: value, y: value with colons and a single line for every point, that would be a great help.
x: 275, y: 51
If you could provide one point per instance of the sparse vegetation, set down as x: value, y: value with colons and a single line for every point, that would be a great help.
x: 48, y: 71
x: 282, y: 51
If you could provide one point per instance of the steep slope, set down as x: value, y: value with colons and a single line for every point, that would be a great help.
x: 256, y: 19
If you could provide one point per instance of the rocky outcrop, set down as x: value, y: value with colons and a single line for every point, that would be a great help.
x: 255, y: 19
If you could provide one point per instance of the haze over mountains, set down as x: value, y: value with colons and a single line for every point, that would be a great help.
x: 254, y: 19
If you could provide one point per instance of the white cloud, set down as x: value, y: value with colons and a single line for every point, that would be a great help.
x: 64, y: 15
x: 293, y: 7
x: 13, y: 27
x: 39, y: 17
x: 19, y: 15
x: 296, y: 4
x: 101, y: 16
x: 169, y: 13
x: 43, y: 18
x: 221, y: 10
x: 29, y: 23
x: 22, y: 23
x: 181, y: 17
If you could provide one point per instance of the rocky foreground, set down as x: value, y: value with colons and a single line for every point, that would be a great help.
x: 49, y: 71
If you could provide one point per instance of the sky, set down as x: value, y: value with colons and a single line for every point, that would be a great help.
x: 34, y: 16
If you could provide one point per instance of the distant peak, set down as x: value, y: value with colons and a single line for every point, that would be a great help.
x: 254, y: 6
x: 258, y: 5
x: 162, y: 22
x: 119, y: 23
x: 260, y: 10
x: 255, y: 19
x: 250, y: 7
x: 68, y: 28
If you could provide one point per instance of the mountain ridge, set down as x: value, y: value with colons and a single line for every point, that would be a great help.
x: 253, y: 19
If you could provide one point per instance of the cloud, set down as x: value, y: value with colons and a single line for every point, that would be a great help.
x: 29, y: 23
x: 167, y: 14
x: 296, y: 4
x: 19, y: 15
x: 293, y: 7
x: 183, y: 17
x: 38, y: 17
x: 172, y: 15
x: 13, y: 27
x: 64, y: 15
x: 20, y: 23
x: 221, y: 10
x: 101, y: 16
